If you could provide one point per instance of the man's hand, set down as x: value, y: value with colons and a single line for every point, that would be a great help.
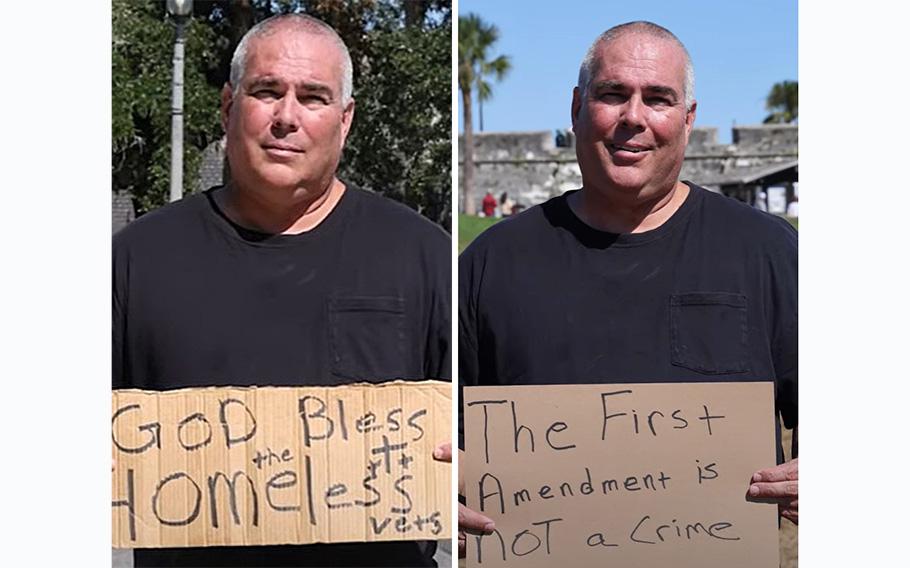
x: 469, y: 521
x: 781, y: 485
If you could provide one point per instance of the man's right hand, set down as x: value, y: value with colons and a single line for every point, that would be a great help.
x: 469, y: 520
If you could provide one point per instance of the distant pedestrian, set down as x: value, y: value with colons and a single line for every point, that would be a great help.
x: 793, y: 208
x: 489, y: 205
x: 505, y: 204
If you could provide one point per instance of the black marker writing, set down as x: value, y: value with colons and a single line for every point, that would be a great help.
x: 603, y: 402
x: 129, y: 503
x: 307, y: 415
x: 517, y: 429
x: 706, y: 472
x: 597, y: 539
x: 232, y: 493
x: 222, y: 414
x: 198, y: 416
x: 707, y: 418
x: 275, y: 483
x: 196, y: 506
x: 558, y: 427
x: 153, y: 428
x: 484, y: 496
x: 486, y: 425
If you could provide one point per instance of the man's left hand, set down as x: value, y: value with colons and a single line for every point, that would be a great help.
x: 779, y: 484
x: 469, y: 521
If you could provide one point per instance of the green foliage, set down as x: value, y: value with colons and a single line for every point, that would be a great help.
x: 783, y: 103
x: 400, y: 143
x: 479, y: 38
x: 475, y: 41
x: 142, y: 52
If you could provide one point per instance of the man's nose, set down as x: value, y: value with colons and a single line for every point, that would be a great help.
x: 633, y: 113
x: 286, y: 118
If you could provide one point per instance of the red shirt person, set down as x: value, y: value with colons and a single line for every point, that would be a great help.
x: 489, y: 205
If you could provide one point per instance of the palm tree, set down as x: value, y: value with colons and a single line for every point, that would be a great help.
x: 475, y: 39
x: 783, y: 103
x: 498, y: 68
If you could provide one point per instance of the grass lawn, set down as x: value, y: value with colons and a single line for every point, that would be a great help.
x: 469, y: 227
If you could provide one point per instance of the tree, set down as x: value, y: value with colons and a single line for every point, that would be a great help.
x: 475, y: 40
x: 401, y: 139
x: 141, y: 53
x: 498, y: 68
x: 783, y: 103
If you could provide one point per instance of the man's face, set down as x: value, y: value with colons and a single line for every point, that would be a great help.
x: 285, y: 124
x: 631, y: 123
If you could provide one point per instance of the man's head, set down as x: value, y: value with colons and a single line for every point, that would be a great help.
x: 633, y: 110
x: 288, y: 108
x: 588, y: 64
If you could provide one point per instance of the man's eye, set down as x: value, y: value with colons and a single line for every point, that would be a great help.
x: 314, y: 100
x: 266, y: 94
x: 658, y: 101
x: 612, y: 97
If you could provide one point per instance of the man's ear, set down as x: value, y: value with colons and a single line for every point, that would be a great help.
x: 227, y: 99
x: 576, y: 105
x: 347, y: 118
x: 690, y: 119
x: 690, y: 116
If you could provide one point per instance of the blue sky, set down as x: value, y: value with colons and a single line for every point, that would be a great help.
x: 739, y: 50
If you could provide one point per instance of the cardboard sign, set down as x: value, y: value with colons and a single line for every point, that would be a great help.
x: 620, y: 475
x: 250, y: 466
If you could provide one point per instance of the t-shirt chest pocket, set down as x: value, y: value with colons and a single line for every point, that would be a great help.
x: 368, y: 337
x: 709, y: 332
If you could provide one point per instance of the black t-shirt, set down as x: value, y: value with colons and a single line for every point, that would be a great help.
x: 200, y: 301
x: 710, y: 295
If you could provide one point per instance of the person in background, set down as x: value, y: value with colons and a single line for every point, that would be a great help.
x: 793, y: 208
x: 488, y: 205
x: 505, y: 204
x: 761, y: 201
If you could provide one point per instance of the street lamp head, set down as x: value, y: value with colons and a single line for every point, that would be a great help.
x: 180, y: 8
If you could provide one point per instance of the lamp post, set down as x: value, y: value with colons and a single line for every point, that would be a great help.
x: 180, y: 11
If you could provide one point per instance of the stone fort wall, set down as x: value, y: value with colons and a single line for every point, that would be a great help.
x: 531, y: 168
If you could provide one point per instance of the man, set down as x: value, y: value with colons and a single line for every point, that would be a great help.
x: 637, y: 276
x: 285, y: 276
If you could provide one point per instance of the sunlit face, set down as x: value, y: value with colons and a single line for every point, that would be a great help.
x: 631, y: 123
x: 286, y: 124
